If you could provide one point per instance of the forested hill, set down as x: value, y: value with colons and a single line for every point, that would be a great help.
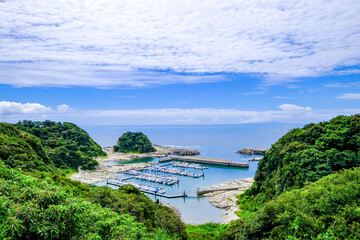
x: 37, y: 202
x: 22, y: 150
x: 306, y: 155
x: 67, y: 145
x: 307, y: 186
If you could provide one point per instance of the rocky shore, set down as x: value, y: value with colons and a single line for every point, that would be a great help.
x: 227, y: 199
x: 104, y: 171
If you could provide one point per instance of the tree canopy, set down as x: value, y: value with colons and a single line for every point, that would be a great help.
x: 22, y: 150
x: 67, y: 145
x: 292, y: 198
x: 134, y: 142
x: 305, y: 155
x: 326, y: 209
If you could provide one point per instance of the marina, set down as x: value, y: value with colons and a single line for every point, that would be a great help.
x: 175, y: 171
x: 153, y: 177
x: 146, y: 189
x: 187, y: 165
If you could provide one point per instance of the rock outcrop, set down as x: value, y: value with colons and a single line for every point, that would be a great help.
x: 251, y: 151
x: 227, y: 199
x: 186, y: 152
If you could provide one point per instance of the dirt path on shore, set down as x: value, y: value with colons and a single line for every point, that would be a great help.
x: 227, y: 199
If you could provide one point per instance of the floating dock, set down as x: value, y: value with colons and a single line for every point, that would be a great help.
x: 149, y: 192
x: 202, y: 160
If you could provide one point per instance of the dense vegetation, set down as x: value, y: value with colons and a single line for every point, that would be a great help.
x: 284, y: 201
x: 206, y: 231
x: 305, y: 155
x: 326, y: 209
x: 125, y: 200
x: 22, y: 150
x: 67, y: 145
x: 33, y: 209
x: 134, y: 142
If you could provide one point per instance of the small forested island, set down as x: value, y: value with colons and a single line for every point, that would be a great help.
x: 134, y: 142
x: 307, y: 186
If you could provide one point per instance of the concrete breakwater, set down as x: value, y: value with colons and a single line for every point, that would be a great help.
x: 202, y: 160
x: 251, y: 151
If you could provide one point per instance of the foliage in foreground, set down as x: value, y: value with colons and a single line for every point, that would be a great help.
x: 134, y: 142
x: 33, y: 209
x: 326, y: 209
x: 208, y: 231
x: 67, y: 145
x: 22, y: 150
x: 302, y: 156
x: 125, y: 200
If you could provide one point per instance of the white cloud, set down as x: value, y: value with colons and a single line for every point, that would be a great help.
x: 63, y: 108
x: 287, y: 113
x: 83, y: 43
x: 292, y: 107
x: 350, y: 96
x: 10, y: 108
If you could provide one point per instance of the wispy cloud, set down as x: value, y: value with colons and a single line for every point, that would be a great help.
x: 343, y: 85
x: 350, y: 96
x: 288, y: 113
x: 105, y: 43
x: 283, y: 97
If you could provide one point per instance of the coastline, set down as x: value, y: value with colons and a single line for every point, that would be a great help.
x: 227, y: 199
x: 224, y: 199
x: 104, y: 171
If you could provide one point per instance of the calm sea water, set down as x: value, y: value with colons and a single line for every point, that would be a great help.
x: 211, y: 141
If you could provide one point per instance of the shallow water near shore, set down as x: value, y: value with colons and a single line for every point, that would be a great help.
x: 210, y: 141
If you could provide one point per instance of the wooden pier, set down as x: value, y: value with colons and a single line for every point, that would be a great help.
x: 149, y: 192
x: 202, y: 160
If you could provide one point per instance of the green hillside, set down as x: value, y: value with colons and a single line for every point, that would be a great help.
x: 33, y: 209
x: 67, y: 145
x: 326, y: 209
x: 22, y: 150
x: 44, y: 205
x: 298, y: 191
x: 305, y: 155
x: 134, y: 142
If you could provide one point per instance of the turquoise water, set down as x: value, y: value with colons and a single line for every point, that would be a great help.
x: 210, y: 141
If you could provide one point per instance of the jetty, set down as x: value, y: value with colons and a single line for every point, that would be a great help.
x: 209, y: 190
x: 203, y: 160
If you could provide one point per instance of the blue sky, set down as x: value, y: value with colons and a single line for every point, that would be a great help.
x: 179, y: 62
